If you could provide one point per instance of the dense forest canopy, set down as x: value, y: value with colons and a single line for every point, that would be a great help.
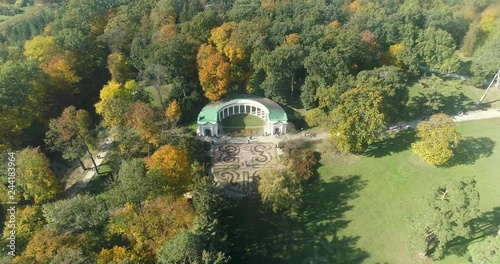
x: 290, y: 51
x: 71, y: 69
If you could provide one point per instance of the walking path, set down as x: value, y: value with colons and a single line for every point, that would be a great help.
x: 478, y: 115
x: 99, y: 158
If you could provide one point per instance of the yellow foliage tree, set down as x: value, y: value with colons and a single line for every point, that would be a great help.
x: 437, y: 138
x: 292, y: 39
x: 173, y: 163
x: 173, y: 112
x: 489, y: 17
x: 219, y: 36
x: 214, y: 72
x: 60, y: 68
x: 46, y: 245
x: 268, y: 5
x: 114, y: 254
x: 152, y: 225
x: 392, y: 54
x: 114, y: 99
x: 41, y: 48
x: 354, y: 6
x: 53, y: 60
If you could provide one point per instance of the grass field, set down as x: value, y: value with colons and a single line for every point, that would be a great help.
x: 465, y: 100
x: 360, y: 209
x: 155, y: 98
x: 394, y: 182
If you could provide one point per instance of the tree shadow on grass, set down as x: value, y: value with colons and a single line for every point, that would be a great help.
x: 469, y: 150
x: 391, y: 145
x: 487, y: 224
x: 260, y: 236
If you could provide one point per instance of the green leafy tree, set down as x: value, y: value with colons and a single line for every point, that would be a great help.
x: 436, y: 49
x: 80, y: 213
x: 34, y: 176
x: 187, y: 247
x: 316, y: 117
x: 19, y: 98
x: 486, y: 251
x: 390, y: 81
x: 280, y: 189
x: 184, y: 247
x: 282, y: 67
x: 437, y: 137
x: 357, y: 120
x: 485, y: 63
x: 126, y: 189
x: 452, y: 207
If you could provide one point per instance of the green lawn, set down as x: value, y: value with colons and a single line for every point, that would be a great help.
x: 359, y: 210
x: 394, y: 181
x: 465, y: 100
x: 164, y: 91
x: 242, y: 121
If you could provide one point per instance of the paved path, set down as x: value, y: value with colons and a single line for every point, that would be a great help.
x: 81, y: 184
x: 478, y: 115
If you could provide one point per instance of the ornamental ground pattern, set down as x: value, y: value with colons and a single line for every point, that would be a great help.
x: 237, y: 165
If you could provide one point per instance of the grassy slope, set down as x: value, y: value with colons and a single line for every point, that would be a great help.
x: 396, y: 183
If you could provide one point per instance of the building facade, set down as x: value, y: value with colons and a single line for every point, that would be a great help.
x: 210, y: 117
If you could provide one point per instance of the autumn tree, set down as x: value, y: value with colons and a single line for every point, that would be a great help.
x: 45, y: 246
x: 71, y: 134
x: 173, y: 164
x: 280, y: 189
x: 120, y: 68
x: 34, y: 176
x: 54, y: 61
x: 437, y: 137
x: 357, y: 120
x: 173, y: 112
x: 213, y: 70
x: 451, y: 211
x: 151, y: 225
x: 114, y: 100
x: 29, y: 219
x: 391, y: 83
x: 116, y: 254
x: 140, y: 117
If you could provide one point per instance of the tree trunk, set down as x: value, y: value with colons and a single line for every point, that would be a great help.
x: 93, y: 161
x: 157, y: 88
x: 81, y: 164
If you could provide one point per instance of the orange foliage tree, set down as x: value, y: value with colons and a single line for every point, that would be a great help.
x: 173, y: 112
x: 173, y: 163
x: 214, y: 72
x: 47, y: 245
x: 152, y: 225
x: 140, y: 117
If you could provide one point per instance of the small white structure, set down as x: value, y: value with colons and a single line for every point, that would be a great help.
x: 212, y: 114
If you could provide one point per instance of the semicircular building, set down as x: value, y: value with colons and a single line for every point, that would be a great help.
x: 274, y: 118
